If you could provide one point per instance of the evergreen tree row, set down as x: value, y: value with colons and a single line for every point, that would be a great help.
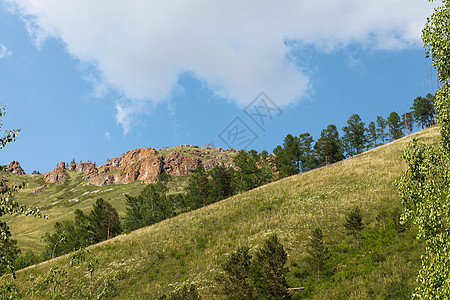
x: 301, y: 153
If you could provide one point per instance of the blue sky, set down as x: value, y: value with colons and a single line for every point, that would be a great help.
x: 92, y: 79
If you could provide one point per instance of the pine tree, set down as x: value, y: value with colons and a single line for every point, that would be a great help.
x: 236, y: 282
x: 381, y: 130
x: 395, y: 126
x: 307, y: 158
x: 199, y: 188
x: 353, y: 223
x: 354, y: 138
x: 221, y: 182
x: 423, y: 111
x: 104, y: 221
x: 152, y: 205
x: 287, y: 157
x: 318, y: 252
x: 407, y: 122
x: 328, y: 147
x: 269, y: 270
x: 296, y: 155
x: 372, y: 135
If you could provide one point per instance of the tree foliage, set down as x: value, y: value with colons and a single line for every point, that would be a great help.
x: 253, y: 170
x: 423, y: 110
x: 354, y: 138
x: 8, y: 249
x: 407, y: 122
x: 269, y: 270
x: 295, y: 155
x: 381, y: 130
x: 328, y: 147
x: 372, y: 135
x: 262, y: 276
x: 394, y: 124
x: 104, y: 221
x: 9, y: 206
x: 100, y: 224
x: 236, y: 283
x: 152, y: 205
x: 317, y: 252
x: 198, y: 189
x: 424, y: 188
x: 353, y: 223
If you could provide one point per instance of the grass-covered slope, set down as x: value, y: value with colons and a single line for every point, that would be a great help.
x: 59, y: 201
x: 190, y: 247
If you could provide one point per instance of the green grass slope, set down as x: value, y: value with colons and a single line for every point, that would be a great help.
x: 59, y: 201
x: 190, y: 247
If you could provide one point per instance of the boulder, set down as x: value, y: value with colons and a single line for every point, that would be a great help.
x: 179, y: 165
x: 15, y: 168
x: 58, y: 175
x: 82, y: 167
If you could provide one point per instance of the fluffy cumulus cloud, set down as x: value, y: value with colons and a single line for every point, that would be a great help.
x: 236, y: 48
x: 4, y: 51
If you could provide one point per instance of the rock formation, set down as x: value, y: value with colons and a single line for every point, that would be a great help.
x: 143, y: 164
x: 58, y: 175
x: 15, y: 168
x: 179, y: 165
x: 146, y: 165
x: 81, y: 167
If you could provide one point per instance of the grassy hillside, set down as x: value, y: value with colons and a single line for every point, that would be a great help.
x: 59, y: 201
x: 190, y: 247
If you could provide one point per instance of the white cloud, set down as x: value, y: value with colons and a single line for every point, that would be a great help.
x: 4, y: 51
x: 126, y: 112
x: 107, y: 135
x: 237, y: 48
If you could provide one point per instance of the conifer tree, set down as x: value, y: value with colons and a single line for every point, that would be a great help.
x: 318, y: 252
x: 354, y: 138
x: 353, y: 223
x: 395, y: 126
x: 372, y: 135
x: 269, y: 270
x: 104, y: 221
x: 236, y: 282
x: 423, y: 111
x: 407, y: 122
x: 328, y: 147
x: 381, y: 130
x: 199, y: 188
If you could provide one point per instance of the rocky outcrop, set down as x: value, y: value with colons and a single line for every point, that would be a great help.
x: 210, y: 164
x: 81, y: 167
x: 15, y: 168
x: 146, y: 165
x: 179, y: 165
x: 58, y: 175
